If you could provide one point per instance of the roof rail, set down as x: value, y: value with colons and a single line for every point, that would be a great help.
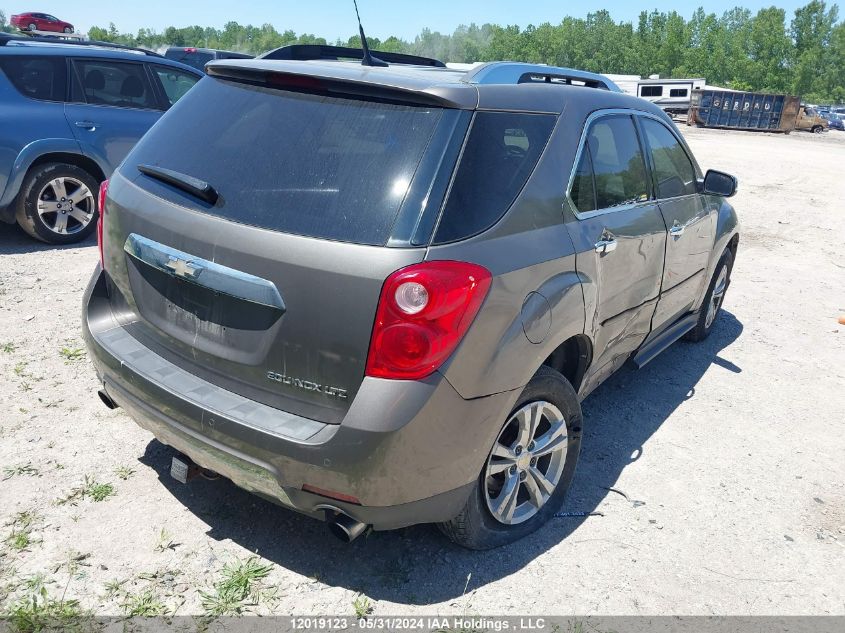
x: 521, y: 73
x: 304, y: 52
x: 6, y: 38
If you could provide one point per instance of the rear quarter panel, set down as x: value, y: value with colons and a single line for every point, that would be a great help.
x: 535, y: 292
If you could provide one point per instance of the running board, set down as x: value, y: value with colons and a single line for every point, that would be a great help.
x: 647, y: 352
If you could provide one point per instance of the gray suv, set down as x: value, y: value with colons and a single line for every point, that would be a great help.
x: 379, y: 295
x: 71, y: 111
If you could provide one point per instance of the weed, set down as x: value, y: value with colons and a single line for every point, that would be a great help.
x: 145, y: 605
x: 38, y: 612
x: 8, y: 347
x: 238, y: 585
x: 113, y: 587
x: 21, y: 536
x: 124, y: 472
x: 21, y: 469
x: 20, y: 368
x: 362, y: 606
x: 91, y: 489
x: 165, y: 542
x: 72, y: 354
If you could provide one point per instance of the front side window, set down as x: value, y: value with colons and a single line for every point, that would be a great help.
x: 619, y: 172
x: 175, y: 82
x: 43, y: 78
x: 673, y: 170
x: 120, y: 84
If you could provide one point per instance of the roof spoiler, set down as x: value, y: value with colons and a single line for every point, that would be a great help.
x: 6, y: 38
x: 520, y: 73
x: 305, y: 52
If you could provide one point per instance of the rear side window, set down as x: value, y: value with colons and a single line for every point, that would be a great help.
x: 313, y: 165
x: 501, y: 152
x: 612, y: 149
x: 651, y: 91
x: 673, y: 170
x: 175, y: 82
x: 121, y: 84
x: 42, y: 78
x: 678, y: 92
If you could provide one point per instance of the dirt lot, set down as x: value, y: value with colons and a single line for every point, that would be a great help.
x: 730, y: 453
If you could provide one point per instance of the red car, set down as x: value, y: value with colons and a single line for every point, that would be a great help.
x: 40, y: 22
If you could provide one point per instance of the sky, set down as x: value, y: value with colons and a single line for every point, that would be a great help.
x: 336, y: 18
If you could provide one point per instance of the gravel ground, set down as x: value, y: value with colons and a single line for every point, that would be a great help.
x: 729, y: 454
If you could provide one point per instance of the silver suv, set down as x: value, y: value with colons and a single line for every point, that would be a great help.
x: 378, y: 295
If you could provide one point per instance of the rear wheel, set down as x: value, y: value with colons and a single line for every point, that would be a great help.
x: 528, y: 470
x: 32, y: 27
x: 57, y: 203
x: 712, y: 304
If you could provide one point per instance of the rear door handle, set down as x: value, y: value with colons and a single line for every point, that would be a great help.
x: 606, y: 246
x: 86, y: 125
x: 677, y: 229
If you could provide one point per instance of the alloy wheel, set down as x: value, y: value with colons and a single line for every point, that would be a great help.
x: 66, y: 205
x: 526, y: 463
x: 717, y: 297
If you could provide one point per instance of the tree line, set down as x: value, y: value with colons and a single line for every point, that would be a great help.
x: 768, y: 51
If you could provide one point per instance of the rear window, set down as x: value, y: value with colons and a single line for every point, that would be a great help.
x: 196, y: 59
x: 42, y: 78
x: 312, y: 165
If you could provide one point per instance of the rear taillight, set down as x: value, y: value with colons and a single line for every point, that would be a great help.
x: 423, y: 313
x: 101, y: 205
x: 190, y: 49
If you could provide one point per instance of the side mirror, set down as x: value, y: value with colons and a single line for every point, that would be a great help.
x: 718, y: 183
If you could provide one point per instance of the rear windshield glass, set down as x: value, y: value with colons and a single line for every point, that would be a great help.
x: 306, y: 164
x: 192, y: 58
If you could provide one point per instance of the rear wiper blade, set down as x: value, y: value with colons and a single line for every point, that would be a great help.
x: 188, y: 184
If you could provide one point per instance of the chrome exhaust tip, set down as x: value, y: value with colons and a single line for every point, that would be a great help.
x: 346, y: 528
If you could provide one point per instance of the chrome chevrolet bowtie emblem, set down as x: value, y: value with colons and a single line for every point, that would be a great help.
x: 182, y: 268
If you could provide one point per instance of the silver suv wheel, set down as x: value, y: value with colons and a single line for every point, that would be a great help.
x: 717, y: 296
x: 526, y: 463
x: 66, y: 205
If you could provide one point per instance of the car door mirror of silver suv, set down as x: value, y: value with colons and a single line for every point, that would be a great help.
x: 718, y: 183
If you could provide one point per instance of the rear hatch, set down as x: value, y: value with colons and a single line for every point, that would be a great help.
x: 268, y: 286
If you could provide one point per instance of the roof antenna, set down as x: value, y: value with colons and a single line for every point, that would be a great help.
x: 368, y: 59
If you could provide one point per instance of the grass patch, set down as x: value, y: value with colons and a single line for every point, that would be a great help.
x: 22, y: 469
x: 21, y: 536
x: 144, y: 605
x: 124, y: 472
x: 20, y: 368
x: 90, y: 489
x: 72, y: 354
x: 165, y: 542
x: 237, y: 589
x: 38, y: 612
x: 362, y: 606
x: 8, y: 347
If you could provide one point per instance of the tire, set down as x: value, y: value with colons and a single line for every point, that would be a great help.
x: 41, y: 210
x: 32, y: 27
x: 68, y: 29
x: 476, y: 527
x: 817, y: 129
x: 704, y: 325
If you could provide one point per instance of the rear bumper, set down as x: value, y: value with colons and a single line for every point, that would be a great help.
x: 410, y: 451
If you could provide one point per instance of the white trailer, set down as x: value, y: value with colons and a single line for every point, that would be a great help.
x: 673, y: 95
